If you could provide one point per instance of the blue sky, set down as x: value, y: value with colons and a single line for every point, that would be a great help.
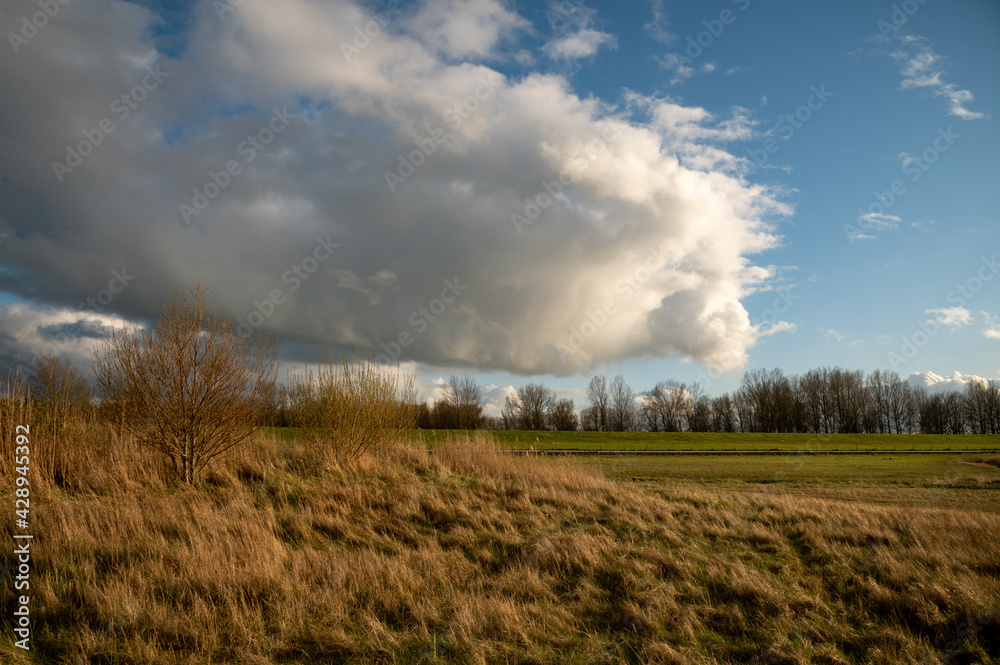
x: 783, y: 272
x: 872, y: 292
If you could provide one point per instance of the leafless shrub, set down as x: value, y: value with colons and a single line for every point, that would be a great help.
x: 351, y: 406
x: 188, y: 387
x: 62, y: 390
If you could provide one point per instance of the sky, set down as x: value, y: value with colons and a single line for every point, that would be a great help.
x: 527, y: 192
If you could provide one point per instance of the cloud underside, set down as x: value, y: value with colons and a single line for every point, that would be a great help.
x: 660, y: 192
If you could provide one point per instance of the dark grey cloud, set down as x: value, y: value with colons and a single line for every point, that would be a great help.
x: 82, y: 329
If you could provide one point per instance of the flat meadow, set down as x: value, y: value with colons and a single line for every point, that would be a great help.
x: 713, y: 441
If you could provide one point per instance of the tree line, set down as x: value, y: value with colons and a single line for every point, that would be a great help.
x: 822, y: 401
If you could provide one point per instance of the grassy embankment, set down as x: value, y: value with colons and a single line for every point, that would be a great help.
x: 699, y: 441
x: 474, y: 556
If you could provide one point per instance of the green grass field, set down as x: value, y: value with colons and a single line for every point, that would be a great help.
x: 639, y: 441
x: 907, y: 470
x: 967, y: 481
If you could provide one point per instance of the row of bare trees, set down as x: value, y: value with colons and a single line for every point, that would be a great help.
x: 823, y: 401
x: 612, y: 406
x: 530, y: 407
x: 829, y: 400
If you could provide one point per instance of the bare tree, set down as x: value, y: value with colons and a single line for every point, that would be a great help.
x: 597, y: 395
x: 535, y: 402
x: 919, y: 400
x: 671, y: 400
x: 766, y: 402
x: 510, y: 413
x: 188, y: 386
x: 563, y: 416
x: 589, y: 420
x: 847, y: 388
x: 57, y: 384
x: 898, y: 395
x: 723, y: 414
x: 885, y: 404
x: 955, y: 412
x: 622, y: 406
x: 650, y: 409
x: 699, y: 410
x: 876, y: 408
x: 812, y: 388
x: 982, y: 406
x: 445, y: 411
x: 466, y: 398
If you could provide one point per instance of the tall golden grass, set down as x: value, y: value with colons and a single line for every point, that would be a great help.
x: 69, y: 448
x: 473, y: 555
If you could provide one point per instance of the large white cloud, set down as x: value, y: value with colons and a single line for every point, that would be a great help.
x: 651, y: 217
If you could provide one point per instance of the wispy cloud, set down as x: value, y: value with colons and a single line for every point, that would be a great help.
x: 682, y: 67
x: 832, y: 335
x: 779, y: 326
x: 923, y: 69
x: 871, y: 223
x: 657, y: 28
x: 581, y: 44
x: 576, y: 38
x: 952, y: 317
x: 992, y: 329
x: 373, y: 288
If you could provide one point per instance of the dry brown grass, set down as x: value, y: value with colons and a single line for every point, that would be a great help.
x: 477, y: 556
x: 69, y: 451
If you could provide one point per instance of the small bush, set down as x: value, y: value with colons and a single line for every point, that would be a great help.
x: 350, y: 407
